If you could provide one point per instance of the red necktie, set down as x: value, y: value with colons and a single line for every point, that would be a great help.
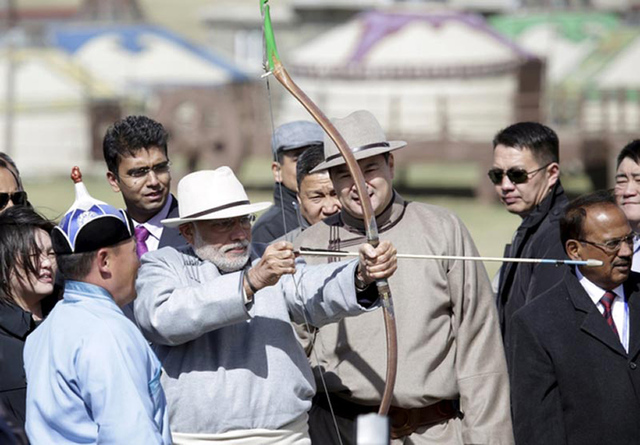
x: 607, y: 302
x: 142, y: 234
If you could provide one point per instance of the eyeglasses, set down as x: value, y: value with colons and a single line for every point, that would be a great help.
x: 17, y: 198
x: 614, y: 245
x: 159, y: 169
x: 515, y: 175
x: 227, y: 225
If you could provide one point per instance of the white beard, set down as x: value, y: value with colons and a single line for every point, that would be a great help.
x: 218, y: 256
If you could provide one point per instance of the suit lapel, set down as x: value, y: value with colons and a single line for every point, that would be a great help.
x: 171, y: 237
x: 593, y: 322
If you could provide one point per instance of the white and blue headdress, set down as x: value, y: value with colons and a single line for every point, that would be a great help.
x: 89, y: 224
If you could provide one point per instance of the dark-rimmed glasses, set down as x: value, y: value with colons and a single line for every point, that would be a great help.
x: 614, y: 245
x: 227, y: 225
x: 17, y: 198
x: 515, y: 175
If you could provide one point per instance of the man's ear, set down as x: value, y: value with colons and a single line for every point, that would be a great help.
x: 113, y: 182
x: 275, y: 169
x: 574, y: 249
x: 554, y: 173
x: 392, y: 164
x: 188, y: 232
x: 104, y: 261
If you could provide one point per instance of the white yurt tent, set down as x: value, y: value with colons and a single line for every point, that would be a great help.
x: 48, y: 127
x: 421, y: 74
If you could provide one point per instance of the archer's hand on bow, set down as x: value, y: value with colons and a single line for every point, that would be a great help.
x: 376, y: 263
x: 278, y: 259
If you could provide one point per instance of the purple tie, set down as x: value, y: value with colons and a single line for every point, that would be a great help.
x: 141, y: 240
x: 607, y: 302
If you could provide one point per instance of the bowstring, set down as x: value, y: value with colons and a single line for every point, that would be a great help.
x: 313, y: 332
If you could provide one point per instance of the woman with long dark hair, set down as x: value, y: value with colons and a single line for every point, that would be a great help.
x: 27, y: 276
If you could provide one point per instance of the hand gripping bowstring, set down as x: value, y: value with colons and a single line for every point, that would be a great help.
x: 274, y: 67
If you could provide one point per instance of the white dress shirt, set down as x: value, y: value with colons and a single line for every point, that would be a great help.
x: 619, y: 308
x: 154, y: 226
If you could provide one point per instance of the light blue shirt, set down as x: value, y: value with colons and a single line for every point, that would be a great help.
x: 92, y: 377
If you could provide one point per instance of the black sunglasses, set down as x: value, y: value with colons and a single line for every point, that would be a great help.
x: 515, y: 175
x: 17, y: 198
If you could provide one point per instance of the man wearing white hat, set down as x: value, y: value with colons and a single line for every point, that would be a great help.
x: 220, y: 324
x: 452, y: 385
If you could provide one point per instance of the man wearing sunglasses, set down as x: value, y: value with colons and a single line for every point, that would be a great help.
x: 525, y: 174
x: 135, y: 151
x: 220, y: 318
x: 575, y: 348
x: 627, y: 191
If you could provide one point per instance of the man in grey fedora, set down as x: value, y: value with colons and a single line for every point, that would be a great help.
x: 452, y: 385
x: 220, y: 323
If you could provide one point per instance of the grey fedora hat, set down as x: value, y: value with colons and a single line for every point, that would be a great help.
x: 364, y: 136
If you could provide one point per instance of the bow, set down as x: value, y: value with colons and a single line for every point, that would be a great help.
x: 274, y: 66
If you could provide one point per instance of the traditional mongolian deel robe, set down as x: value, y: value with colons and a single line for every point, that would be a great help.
x: 230, y: 365
x: 92, y: 377
x: 449, y: 343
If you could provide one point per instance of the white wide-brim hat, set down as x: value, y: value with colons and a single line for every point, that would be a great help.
x: 212, y: 194
x: 363, y: 134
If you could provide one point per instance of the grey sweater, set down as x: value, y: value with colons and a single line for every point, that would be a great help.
x: 228, y: 366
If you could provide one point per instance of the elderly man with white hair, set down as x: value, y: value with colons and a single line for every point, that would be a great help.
x: 220, y: 323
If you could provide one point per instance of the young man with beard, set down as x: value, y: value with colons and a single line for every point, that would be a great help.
x: 452, y: 384
x: 135, y: 151
x: 221, y: 324
x: 575, y: 348
x: 627, y: 192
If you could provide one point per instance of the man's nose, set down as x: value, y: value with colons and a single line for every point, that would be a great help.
x: 506, y: 183
x: 631, y: 189
x: 239, y: 232
x: 626, y: 249
x: 152, y: 179
x: 330, y: 206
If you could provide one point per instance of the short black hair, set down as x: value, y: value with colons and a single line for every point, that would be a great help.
x: 572, y: 221
x: 128, y: 136
x: 540, y: 139
x: 307, y: 161
x: 18, y: 246
x: 76, y: 266
x: 631, y: 151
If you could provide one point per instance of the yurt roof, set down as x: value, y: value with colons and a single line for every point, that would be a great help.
x: 404, y: 45
x: 568, y: 41
x: 143, y: 56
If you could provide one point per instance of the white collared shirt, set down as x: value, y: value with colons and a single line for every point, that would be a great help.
x: 154, y: 226
x: 619, y: 308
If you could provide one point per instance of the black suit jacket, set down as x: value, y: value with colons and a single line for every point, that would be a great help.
x: 571, y: 380
x: 538, y: 236
x: 171, y: 237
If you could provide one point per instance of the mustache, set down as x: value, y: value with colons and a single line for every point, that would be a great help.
x: 623, y: 261
x: 244, y: 244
